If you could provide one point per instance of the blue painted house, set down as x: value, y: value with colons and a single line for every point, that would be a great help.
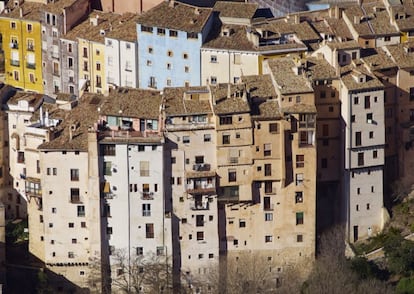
x: 170, y: 36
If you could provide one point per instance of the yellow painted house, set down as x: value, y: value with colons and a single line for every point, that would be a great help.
x: 22, y: 45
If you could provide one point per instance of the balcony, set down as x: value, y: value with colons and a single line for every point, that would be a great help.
x: 268, y: 207
x: 201, y: 167
x: 201, y: 183
x: 32, y: 187
x: 31, y: 65
x: 14, y: 62
x: 200, y: 204
x: 147, y: 195
x: 126, y: 134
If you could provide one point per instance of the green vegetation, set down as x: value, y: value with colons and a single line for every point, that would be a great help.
x: 15, y: 231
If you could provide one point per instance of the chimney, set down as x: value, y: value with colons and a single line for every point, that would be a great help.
x: 21, y: 11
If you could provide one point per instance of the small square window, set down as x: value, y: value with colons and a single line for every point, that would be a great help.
x: 207, y: 137
x: 268, y: 239
x: 299, y: 238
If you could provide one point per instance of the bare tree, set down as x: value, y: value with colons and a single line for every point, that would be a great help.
x: 139, y: 274
x: 253, y: 273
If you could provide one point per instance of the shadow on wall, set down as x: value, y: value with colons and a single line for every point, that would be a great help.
x: 26, y: 274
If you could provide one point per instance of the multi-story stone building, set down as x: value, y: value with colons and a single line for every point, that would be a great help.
x: 169, y: 40
x: 136, y: 220
x: 191, y: 169
x: 58, y: 70
x: 22, y: 45
x: 121, y: 56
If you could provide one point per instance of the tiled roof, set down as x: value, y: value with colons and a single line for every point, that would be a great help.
x: 349, y: 72
x: 233, y: 104
x: 176, y: 104
x: 132, y: 103
x: 175, y: 15
x: 402, y: 54
x: 378, y: 60
x: 236, y: 9
x: 126, y: 31
x: 32, y: 99
x: 236, y: 40
x: 299, y: 108
x: 57, y: 5
x: 31, y: 11
x: 343, y: 45
x: 340, y: 28
x: 319, y: 69
x: 259, y: 86
x: 106, y: 21
x: 370, y: 22
x: 407, y: 10
x: 84, y: 115
x: 288, y: 82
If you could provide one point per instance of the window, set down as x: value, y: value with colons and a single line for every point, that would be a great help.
x: 140, y: 251
x: 71, y: 225
x: 213, y: 58
x: 207, y: 138
x: 273, y: 128
x: 186, y: 69
x: 369, y: 118
x: 170, y: 53
x: 299, y: 218
x: 323, y: 94
x: 70, y: 48
x: 13, y: 25
x: 371, y: 134
x: 299, y: 179
x: 306, y: 138
x: 71, y: 254
x: 324, y: 163
x: 412, y: 94
x: 267, y: 149
x: 268, y: 216
x: 226, y: 120
x: 368, y: 206
x: 173, y: 33
x: 160, y: 251
x: 83, y: 224
x: 81, y: 210
x: 191, y: 35
x: 107, y: 167
x: 185, y: 55
x: 146, y: 29
x: 108, y: 149
x: 360, y: 158
x: 268, y: 169
x: 20, y: 157
x: 74, y: 174
x: 268, y: 187
x: 200, y: 236
x: 226, y: 138
x: 367, y: 102
x: 74, y: 195
x: 375, y: 154
x: 186, y: 139
x: 325, y: 130
x: 300, y: 160
x: 144, y: 168
x: 213, y: 80
x: 160, y: 31
x: 358, y: 139
x: 356, y: 100
x: 146, y: 209
x: 299, y: 197
x: 149, y: 231
x: 85, y: 52
x: 232, y: 175
x: 387, y: 38
x: 74, y: 241
x: 98, y: 66
x: 268, y: 239
x: 299, y: 238
x: 267, y: 204
x: 242, y: 223
x: 169, y: 66
x: 199, y: 220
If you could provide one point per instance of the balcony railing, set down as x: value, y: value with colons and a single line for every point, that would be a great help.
x: 201, y: 167
x: 199, y: 205
x: 14, y: 62
x: 201, y: 188
x: 147, y: 196
x: 75, y: 199
x: 31, y: 65
x: 126, y: 134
